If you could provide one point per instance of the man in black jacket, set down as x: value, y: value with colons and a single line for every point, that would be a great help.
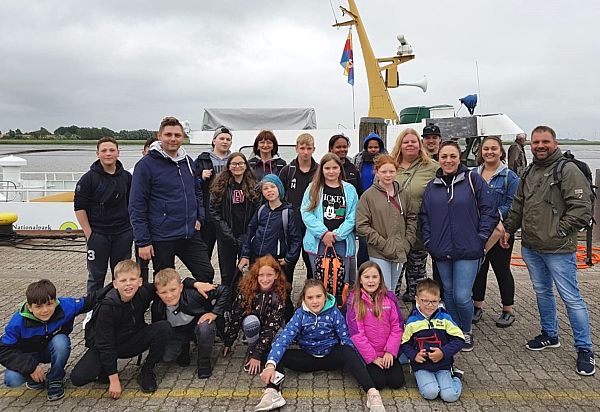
x: 190, y: 315
x: 101, y: 200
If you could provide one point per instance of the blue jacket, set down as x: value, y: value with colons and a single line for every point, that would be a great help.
x: 457, y: 218
x: 315, y: 228
x: 165, y: 199
x: 317, y: 334
x: 439, y: 331
x: 25, y: 335
x: 267, y: 236
x: 502, y: 187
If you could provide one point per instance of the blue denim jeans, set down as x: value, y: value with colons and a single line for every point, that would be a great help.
x: 391, y: 272
x: 57, y: 354
x: 560, y: 269
x: 432, y: 384
x: 340, y: 249
x: 458, y: 277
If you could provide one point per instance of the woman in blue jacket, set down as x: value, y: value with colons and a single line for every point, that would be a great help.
x: 457, y: 217
x: 329, y: 212
x: 503, y: 184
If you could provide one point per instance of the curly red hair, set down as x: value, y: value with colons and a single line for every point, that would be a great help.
x: 249, y: 284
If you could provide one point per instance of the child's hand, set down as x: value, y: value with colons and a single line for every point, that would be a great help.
x: 388, y: 360
x: 282, y: 262
x: 146, y: 252
x: 207, y: 317
x: 436, y: 354
x: 379, y: 362
x: 226, y: 350
x: 114, y: 389
x: 421, y: 356
x: 203, y: 287
x: 38, y: 375
x: 198, y: 225
x: 253, y: 366
x: 243, y: 263
x: 328, y: 239
x: 268, y: 374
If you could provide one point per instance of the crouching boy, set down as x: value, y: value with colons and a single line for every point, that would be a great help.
x: 430, y: 340
x: 39, y: 333
x: 192, y: 317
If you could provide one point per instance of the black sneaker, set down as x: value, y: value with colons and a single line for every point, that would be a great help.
x: 147, y: 381
x: 204, y: 368
x: 56, y: 390
x: 457, y: 373
x: 586, y: 364
x: 543, y: 341
x: 477, y: 314
x: 31, y: 384
x: 505, y: 320
x: 469, y: 342
x: 184, y: 357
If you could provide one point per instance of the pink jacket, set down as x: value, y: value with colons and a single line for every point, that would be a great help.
x: 374, y: 337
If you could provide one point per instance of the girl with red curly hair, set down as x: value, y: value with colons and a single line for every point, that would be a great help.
x: 258, y: 309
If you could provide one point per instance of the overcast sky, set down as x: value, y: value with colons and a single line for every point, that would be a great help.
x: 126, y: 64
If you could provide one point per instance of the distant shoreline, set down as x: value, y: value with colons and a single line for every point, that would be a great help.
x: 71, y: 142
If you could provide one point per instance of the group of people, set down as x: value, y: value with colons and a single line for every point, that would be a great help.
x: 263, y: 215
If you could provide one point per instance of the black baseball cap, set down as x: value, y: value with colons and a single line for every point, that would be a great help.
x: 431, y: 130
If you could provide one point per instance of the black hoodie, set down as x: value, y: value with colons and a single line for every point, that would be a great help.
x: 105, y: 198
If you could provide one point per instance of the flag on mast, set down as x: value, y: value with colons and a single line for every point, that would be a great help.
x: 347, y: 60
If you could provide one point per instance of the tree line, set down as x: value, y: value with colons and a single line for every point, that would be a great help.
x: 78, y: 133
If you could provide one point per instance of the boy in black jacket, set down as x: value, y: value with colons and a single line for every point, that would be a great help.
x: 118, y: 330
x: 190, y: 315
x: 39, y: 333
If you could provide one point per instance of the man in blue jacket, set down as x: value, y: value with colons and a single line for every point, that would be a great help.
x: 166, y: 206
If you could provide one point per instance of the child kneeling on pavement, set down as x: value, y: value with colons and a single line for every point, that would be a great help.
x: 430, y: 340
x: 192, y: 317
x: 39, y: 333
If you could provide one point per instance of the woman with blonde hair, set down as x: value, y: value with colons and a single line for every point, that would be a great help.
x: 416, y: 169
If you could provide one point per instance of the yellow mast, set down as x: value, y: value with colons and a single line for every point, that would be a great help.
x: 380, y: 103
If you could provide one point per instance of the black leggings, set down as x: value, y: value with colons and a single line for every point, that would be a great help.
x: 500, y: 260
x: 392, y: 378
x: 341, y: 357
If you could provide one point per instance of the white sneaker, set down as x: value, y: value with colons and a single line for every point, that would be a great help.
x: 374, y: 402
x: 88, y: 317
x: 270, y: 400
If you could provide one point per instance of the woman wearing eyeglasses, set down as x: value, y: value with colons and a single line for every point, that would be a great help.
x: 266, y: 159
x: 457, y: 217
x: 233, y: 201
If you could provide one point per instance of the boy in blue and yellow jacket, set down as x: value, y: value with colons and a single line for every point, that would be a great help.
x: 430, y: 340
x: 39, y: 333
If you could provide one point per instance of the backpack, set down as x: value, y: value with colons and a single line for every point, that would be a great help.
x: 285, y: 215
x: 90, y: 326
x: 329, y: 268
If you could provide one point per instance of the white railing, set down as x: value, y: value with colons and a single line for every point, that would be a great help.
x: 38, y: 184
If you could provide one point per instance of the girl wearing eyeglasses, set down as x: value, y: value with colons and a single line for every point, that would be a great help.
x: 457, y: 217
x: 233, y: 201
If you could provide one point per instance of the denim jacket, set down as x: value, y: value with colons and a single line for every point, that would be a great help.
x: 502, y: 187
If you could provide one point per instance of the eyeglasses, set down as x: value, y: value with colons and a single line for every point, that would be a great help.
x: 237, y: 164
x: 429, y: 302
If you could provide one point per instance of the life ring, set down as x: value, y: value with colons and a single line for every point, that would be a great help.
x: 581, y: 256
x: 8, y: 218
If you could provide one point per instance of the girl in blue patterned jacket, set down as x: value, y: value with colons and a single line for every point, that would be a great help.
x: 321, y: 332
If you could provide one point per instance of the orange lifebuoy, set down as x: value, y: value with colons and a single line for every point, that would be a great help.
x: 581, y: 256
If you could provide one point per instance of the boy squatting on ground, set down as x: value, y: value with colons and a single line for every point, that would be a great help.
x: 430, y: 340
x: 118, y: 330
x: 192, y: 317
x: 39, y: 333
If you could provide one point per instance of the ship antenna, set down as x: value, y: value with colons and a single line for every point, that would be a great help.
x: 333, y: 12
x: 478, y: 87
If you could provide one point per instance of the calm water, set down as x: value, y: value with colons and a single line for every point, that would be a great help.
x: 78, y: 158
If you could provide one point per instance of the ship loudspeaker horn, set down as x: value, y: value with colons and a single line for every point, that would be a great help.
x: 421, y: 84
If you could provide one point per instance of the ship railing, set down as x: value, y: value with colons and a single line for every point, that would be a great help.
x: 10, y: 192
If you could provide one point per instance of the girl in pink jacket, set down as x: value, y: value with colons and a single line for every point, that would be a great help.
x: 375, y: 325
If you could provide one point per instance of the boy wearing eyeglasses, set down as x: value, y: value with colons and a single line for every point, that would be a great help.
x: 430, y: 340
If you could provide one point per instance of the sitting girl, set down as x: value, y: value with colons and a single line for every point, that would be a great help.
x: 321, y: 332
x: 258, y: 311
x: 375, y: 326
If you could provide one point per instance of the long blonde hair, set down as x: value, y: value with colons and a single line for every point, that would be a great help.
x: 318, y: 181
x: 397, y: 152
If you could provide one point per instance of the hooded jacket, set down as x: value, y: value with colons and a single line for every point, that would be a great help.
x: 208, y: 161
x: 267, y: 236
x: 364, y: 161
x: 295, y: 182
x: 439, y: 331
x: 457, y: 218
x: 389, y: 232
x: 165, y: 200
x: 269, y: 309
x: 222, y: 214
x: 315, y: 227
x: 502, y: 186
x: 192, y: 303
x: 352, y: 175
x: 105, y: 198
x: 549, y: 214
x: 374, y: 337
x: 261, y: 168
x: 316, y: 333
x: 26, y: 335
